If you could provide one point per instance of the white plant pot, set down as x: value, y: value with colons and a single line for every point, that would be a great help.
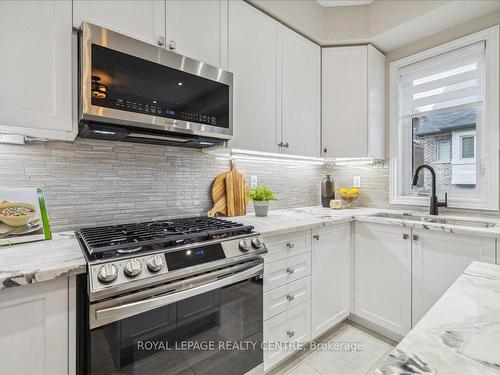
x: 261, y: 208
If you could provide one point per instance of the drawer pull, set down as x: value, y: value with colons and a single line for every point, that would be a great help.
x: 290, y: 245
x: 290, y: 270
x: 290, y: 334
x: 316, y: 237
x: 290, y: 297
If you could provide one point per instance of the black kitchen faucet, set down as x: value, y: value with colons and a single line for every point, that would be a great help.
x: 434, y: 204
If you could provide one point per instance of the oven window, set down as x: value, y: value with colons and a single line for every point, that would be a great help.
x: 128, y: 83
x: 219, y: 332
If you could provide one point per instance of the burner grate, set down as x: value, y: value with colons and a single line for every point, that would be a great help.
x: 127, y: 238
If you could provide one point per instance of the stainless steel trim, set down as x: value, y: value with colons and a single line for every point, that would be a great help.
x: 158, y: 137
x: 181, y: 247
x: 92, y: 34
x: 120, y: 308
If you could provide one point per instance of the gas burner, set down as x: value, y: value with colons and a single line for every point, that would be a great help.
x: 129, y: 250
x: 113, y: 241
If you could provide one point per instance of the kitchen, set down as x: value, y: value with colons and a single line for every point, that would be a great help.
x: 120, y: 270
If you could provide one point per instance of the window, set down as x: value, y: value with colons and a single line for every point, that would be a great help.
x: 444, y: 113
x: 467, y: 146
x: 443, y: 153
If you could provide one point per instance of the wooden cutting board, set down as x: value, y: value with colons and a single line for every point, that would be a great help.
x: 229, y: 194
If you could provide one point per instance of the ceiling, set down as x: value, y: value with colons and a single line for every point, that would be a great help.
x: 342, y: 3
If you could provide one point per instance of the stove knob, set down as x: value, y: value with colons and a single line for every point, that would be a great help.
x: 155, y: 263
x: 132, y: 268
x: 257, y: 242
x: 244, y: 245
x: 107, y: 273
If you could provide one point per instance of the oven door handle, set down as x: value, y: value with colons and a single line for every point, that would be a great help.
x: 112, y: 314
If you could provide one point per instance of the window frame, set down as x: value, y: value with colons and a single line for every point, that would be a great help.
x: 488, y: 165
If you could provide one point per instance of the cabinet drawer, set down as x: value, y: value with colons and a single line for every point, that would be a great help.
x: 283, y: 271
x: 286, y: 245
x: 287, y: 296
x: 285, y: 332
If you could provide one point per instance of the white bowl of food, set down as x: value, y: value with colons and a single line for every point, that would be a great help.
x: 16, y: 214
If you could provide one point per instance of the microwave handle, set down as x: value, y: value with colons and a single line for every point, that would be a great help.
x: 113, y: 314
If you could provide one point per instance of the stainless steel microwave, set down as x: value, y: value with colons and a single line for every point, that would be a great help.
x: 134, y: 91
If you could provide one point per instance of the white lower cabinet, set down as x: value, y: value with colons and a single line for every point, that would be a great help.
x: 383, y: 276
x: 285, y: 332
x: 438, y: 259
x: 37, y: 328
x: 330, y: 277
x: 287, y: 296
x: 286, y: 270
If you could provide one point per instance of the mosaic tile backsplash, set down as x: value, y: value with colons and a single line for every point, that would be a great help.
x: 92, y: 182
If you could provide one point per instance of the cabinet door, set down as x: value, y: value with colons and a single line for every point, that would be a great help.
x: 253, y: 58
x: 199, y: 29
x: 330, y: 277
x: 140, y: 19
x: 438, y: 259
x: 34, y: 324
x: 35, y: 69
x: 300, y: 95
x: 291, y: 329
x: 344, y: 101
x: 382, y: 283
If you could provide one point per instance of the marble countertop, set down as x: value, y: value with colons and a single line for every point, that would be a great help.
x: 460, y: 334
x: 294, y: 219
x: 45, y: 260
x: 41, y: 261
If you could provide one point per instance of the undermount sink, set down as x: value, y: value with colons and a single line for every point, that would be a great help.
x: 399, y: 216
x: 438, y: 220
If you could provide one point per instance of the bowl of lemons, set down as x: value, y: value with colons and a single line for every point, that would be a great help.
x: 348, y: 196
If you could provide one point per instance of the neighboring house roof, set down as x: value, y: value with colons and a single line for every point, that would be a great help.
x: 446, y: 121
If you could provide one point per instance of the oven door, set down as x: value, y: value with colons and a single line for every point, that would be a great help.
x: 129, y: 83
x: 209, y: 324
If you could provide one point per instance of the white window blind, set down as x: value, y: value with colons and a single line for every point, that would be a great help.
x: 451, y: 80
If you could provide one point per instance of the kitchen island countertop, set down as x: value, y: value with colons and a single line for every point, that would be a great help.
x: 460, y: 334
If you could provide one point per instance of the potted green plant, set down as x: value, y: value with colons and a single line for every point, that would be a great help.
x: 261, y: 197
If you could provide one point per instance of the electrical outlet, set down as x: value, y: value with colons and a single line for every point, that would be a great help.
x: 253, y: 182
x: 357, y: 181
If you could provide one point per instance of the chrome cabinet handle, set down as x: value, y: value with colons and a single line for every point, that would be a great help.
x: 290, y: 245
x: 416, y: 237
x: 290, y: 270
x: 280, y: 144
x: 316, y: 237
x: 161, y: 41
x: 286, y: 145
x: 406, y: 236
x: 172, y: 45
x: 290, y: 297
x: 290, y: 334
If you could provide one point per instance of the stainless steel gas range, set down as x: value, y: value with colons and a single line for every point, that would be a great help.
x: 181, y: 296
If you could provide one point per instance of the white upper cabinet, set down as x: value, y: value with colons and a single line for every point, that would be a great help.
x: 139, y: 19
x: 35, y: 69
x: 382, y: 276
x: 300, y: 94
x: 353, y: 102
x: 438, y: 259
x: 253, y: 58
x: 198, y: 29
x: 330, y: 277
x: 277, y: 84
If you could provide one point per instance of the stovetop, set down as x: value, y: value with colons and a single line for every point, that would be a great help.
x: 126, y: 239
